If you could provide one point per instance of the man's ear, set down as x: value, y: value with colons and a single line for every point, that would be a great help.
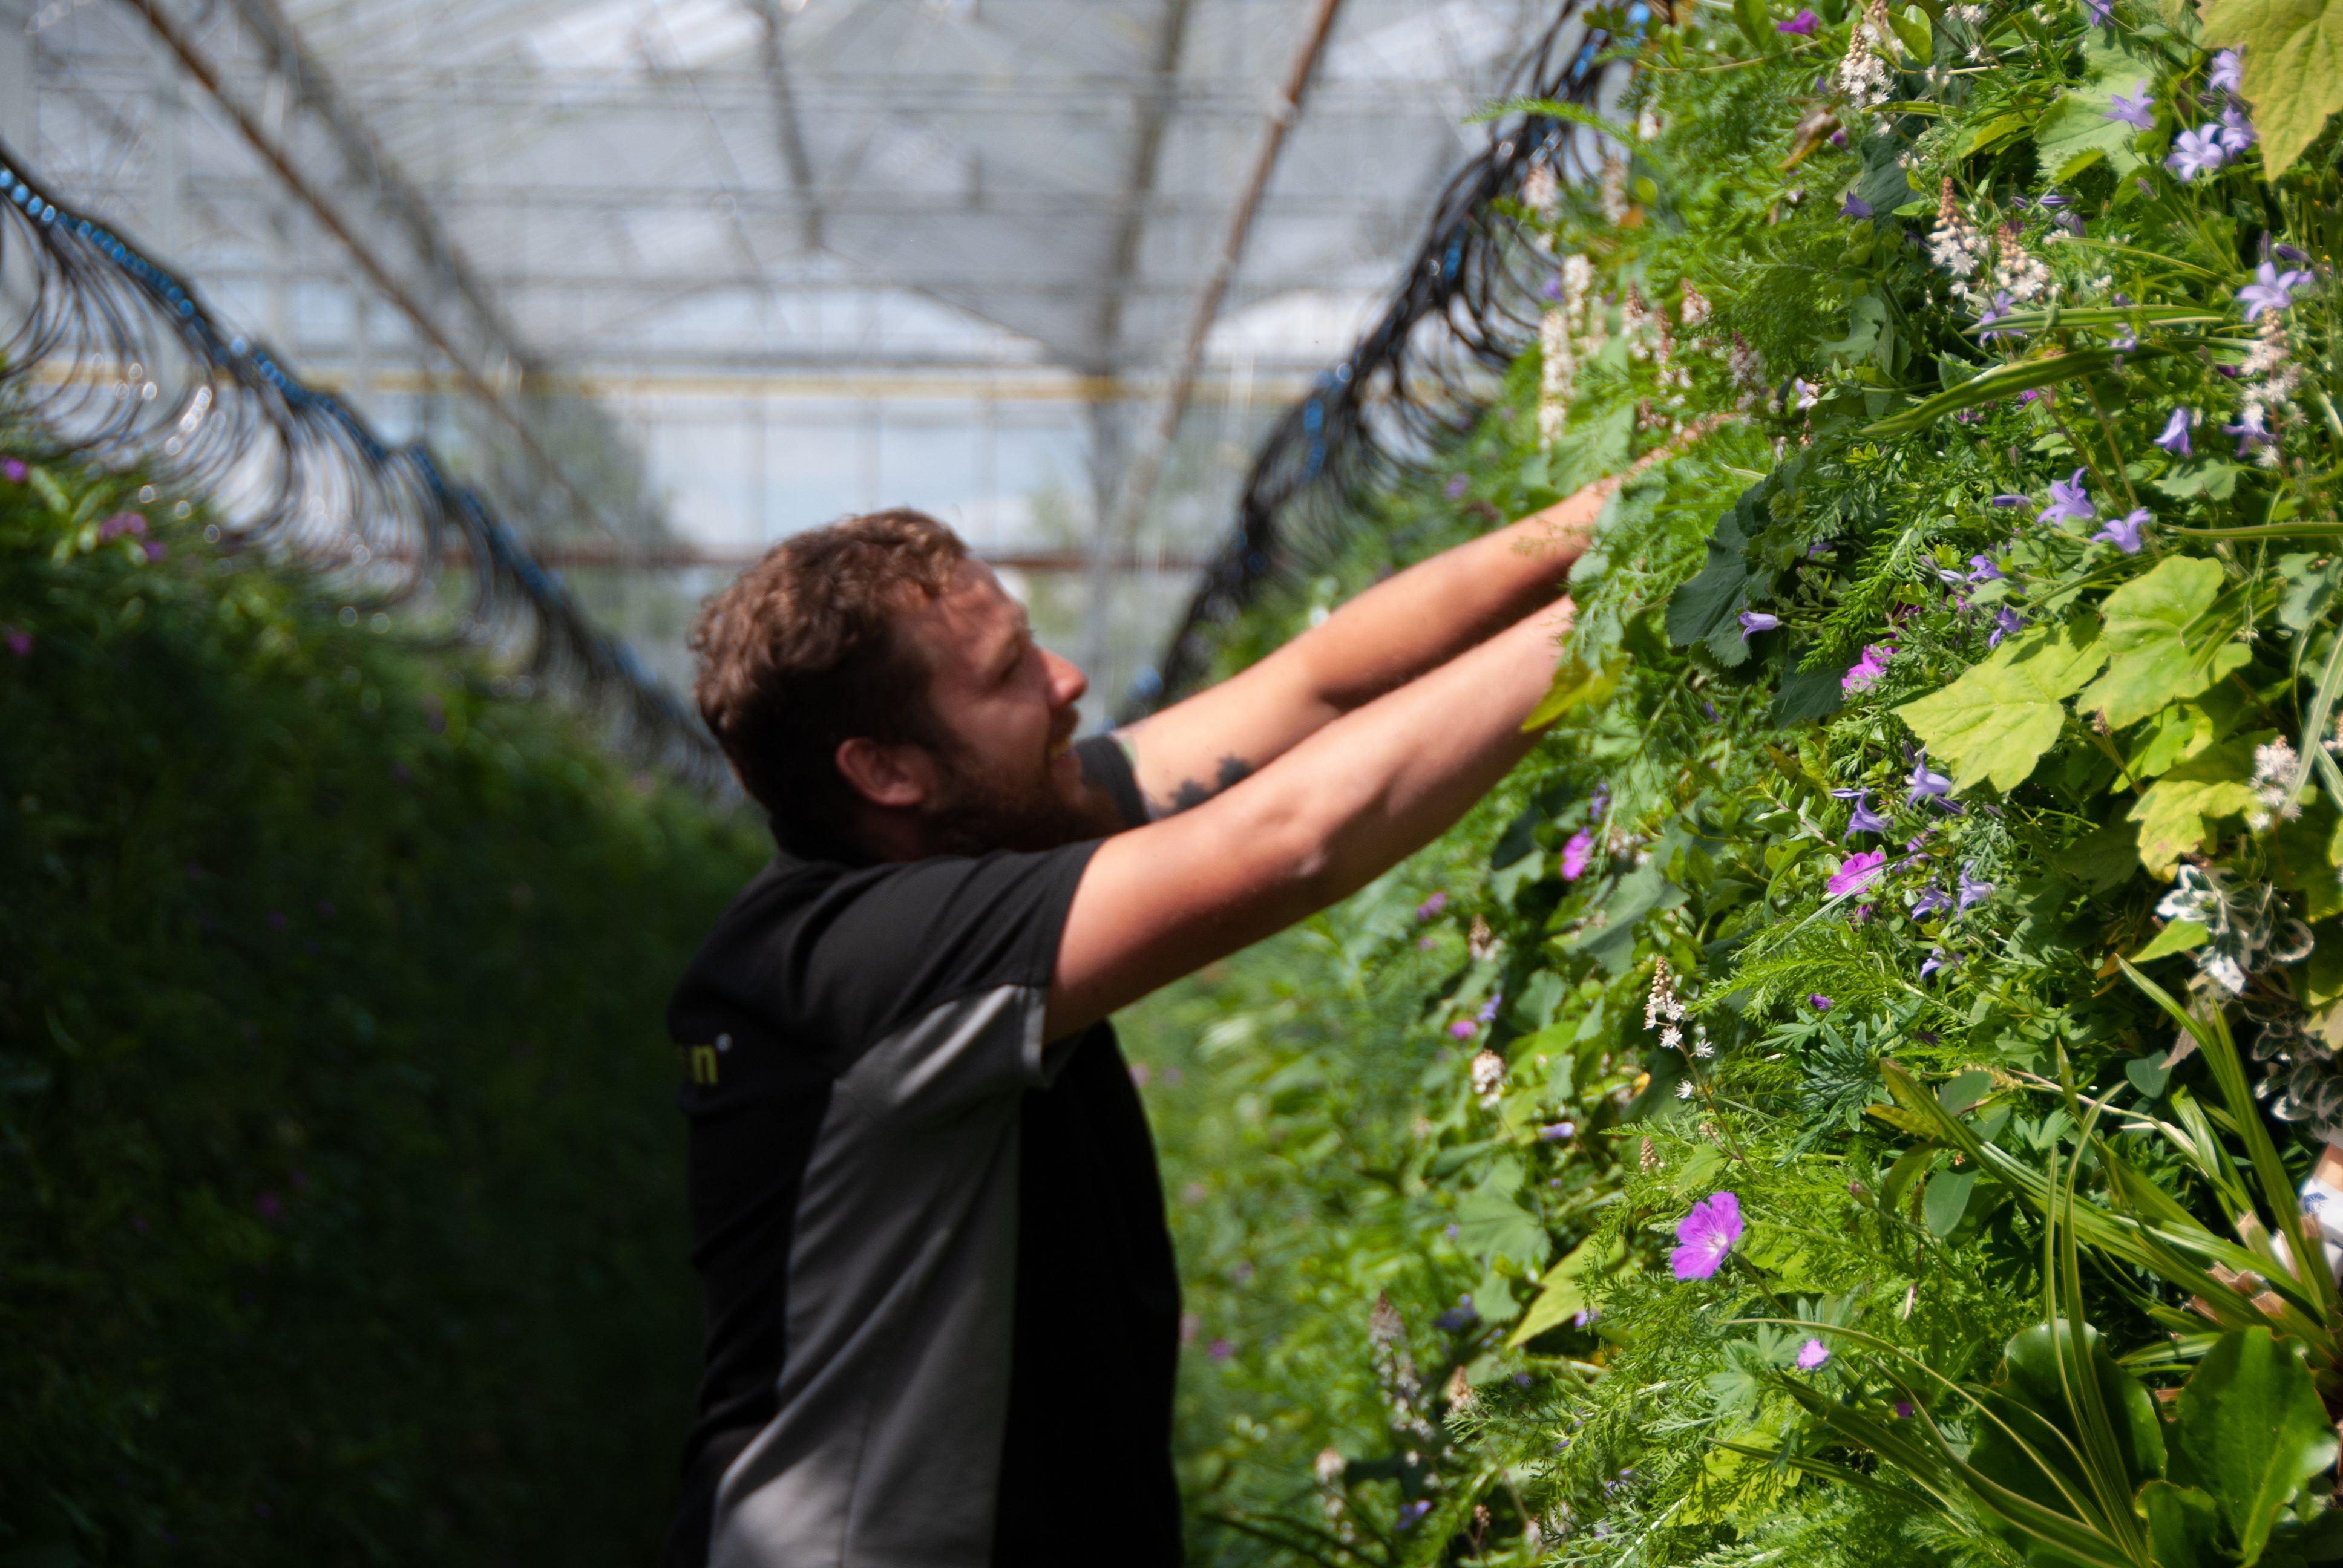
x: 900, y: 777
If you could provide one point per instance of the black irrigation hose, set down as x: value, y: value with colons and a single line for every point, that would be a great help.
x: 1422, y: 375
x: 110, y: 358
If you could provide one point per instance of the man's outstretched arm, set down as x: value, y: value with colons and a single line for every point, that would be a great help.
x: 1411, y: 622
x: 1318, y: 823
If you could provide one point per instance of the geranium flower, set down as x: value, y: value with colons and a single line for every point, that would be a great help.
x: 1857, y: 873
x: 2197, y: 153
x: 2068, y: 499
x: 1463, y: 1029
x: 2124, y: 532
x: 1803, y: 23
x: 1812, y: 1354
x: 1868, y: 669
x: 2139, y: 112
x: 1704, y: 1235
x: 2004, y: 621
x: 2175, y: 439
x: 2226, y: 75
x: 2271, y: 289
x: 1756, y: 620
x: 13, y: 470
x: 1576, y: 851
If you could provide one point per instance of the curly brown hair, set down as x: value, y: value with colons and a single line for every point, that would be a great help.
x: 800, y: 653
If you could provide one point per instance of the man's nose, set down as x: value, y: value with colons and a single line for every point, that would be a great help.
x: 1067, y: 683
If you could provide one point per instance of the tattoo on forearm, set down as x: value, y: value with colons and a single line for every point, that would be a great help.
x: 1195, y: 791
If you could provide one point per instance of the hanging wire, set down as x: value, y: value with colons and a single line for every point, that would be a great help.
x: 108, y: 358
x: 1420, y: 378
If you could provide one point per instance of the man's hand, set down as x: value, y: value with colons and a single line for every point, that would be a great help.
x: 1314, y: 826
x: 1412, y: 622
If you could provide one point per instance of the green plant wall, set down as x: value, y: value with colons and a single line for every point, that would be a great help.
x: 341, y: 1220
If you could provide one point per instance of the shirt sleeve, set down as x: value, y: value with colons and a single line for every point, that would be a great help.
x: 920, y: 987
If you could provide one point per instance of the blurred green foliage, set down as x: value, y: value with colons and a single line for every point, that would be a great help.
x: 340, y: 1196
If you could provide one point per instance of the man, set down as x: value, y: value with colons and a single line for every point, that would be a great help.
x: 941, y: 1312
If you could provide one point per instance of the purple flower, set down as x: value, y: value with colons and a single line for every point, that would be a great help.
x: 19, y: 641
x: 2004, y: 621
x: 1803, y: 23
x: 1704, y: 1235
x: 1930, y: 900
x: 2124, y: 339
x: 1576, y: 851
x: 13, y: 470
x: 1550, y: 288
x: 1555, y: 1131
x: 1837, y: 138
x: 2100, y: 11
x: 2067, y: 500
x: 1983, y: 571
x: 1220, y: 1350
x: 2270, y: 289
x: 1488, y: 1013
x: 1463, y: 1029
x: 1460, y: 1316
x: 1432, y: 906
x: 1862, y: 819
x: 2225, y: 77
x: 1812, y: 1354
x: 1854, y: 207
x: 1937, y: 959
x: 2250, y: 432
x: 1455, y: 488
x: 1924, y: 781
x: 1995, y: 312
x: 1857, y: 873
x: 2236, y: 132
x: 2175, y: 439
x: 2124, y: 532
x: 155, y: 549
x: 2197, y: 153
x: 1868, y: 669
x: 1972, y: 890
x: 2006, y: 501
x: 2139, y: 112
x: 122, y: 523
x: 1903, y: 1410
x: 1756, y: 620
x: 2289, y: 253
x: 1819, y: 1002
x: 1409, y: 1512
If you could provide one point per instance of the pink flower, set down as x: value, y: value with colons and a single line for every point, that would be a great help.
x: 1463, y: 1029
x: 12, y: 470
x: 1868, y: 669
x: 121, y: 523
x: 1704, y: 1235
x: 1812, y: 1354
x: 1576, y: 851
x: 1857, y: 871
x: 1431, y: 906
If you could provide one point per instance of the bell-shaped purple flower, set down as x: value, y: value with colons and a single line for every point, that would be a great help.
x: 1803, y: 25
x: 1983, y: 571
x: 2007, y: 501
x: 1926, y: 782
x: 2068, y: 499
x: 1753, y: 622
x: 1932, y: 898
x: 2139, y: 112
x: 1972, y: 889
x: 2004, y: 621
x: 1862, y: 819
x: 1854, y: 207
x: 2251, y: 431
x: 2124, y: 532
x: 1938, y: 958
x: 2226, y: 76
x: 2175, y: 439
x: 2236, y: 132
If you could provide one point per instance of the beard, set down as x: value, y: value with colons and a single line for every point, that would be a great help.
x: 973, y: 814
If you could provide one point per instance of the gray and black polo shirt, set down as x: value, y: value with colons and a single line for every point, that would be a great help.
x: 941, y: 1311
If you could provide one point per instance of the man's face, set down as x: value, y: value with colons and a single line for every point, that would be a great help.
x: 1005, y: 710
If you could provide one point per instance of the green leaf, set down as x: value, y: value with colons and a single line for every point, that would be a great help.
x: 2160, y: 647
x: 2249, y: 1429
x: 2003, y: 381
x: 1561, y: 1294
x: 2077, y: 133
x: 2102, y: 858
x: 1997, y: 719
x: 1575, y: 686
x: 1914, y: 31
x: 1640, y: 892
x: 1866, y: 317
x: 2183, y: 1526
x: 1993, y: 133
x: 2173, y: 811
x: 2178, y: 937
x: 1755, y: 26
x: 1491, y: 1224
x: 2293, y: 68
x: 1706, y: 608
x: 2216, y: 479
x: 1945, y: 1199
x: 2148, y: 1074
x: 2032, y: 1400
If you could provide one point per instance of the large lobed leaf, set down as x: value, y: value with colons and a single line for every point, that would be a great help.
x: 2163, y: 641
x: 1997, y: 719
x: 2293, y: 67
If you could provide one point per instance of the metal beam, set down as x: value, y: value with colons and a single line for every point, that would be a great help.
x: 1139, y: 482
x: 786, y: 128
